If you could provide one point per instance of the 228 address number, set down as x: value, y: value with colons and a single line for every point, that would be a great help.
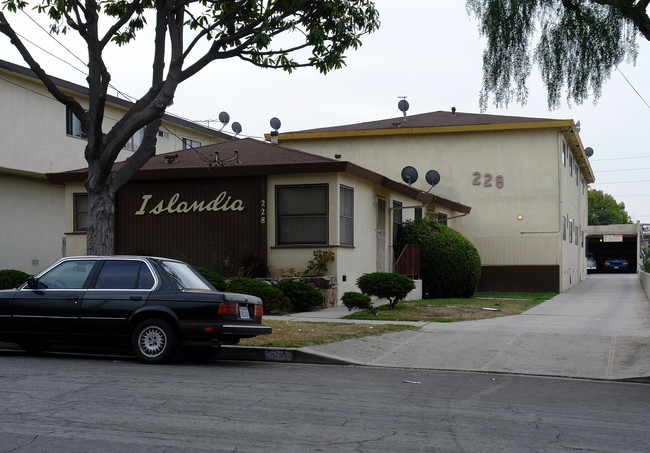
x: 487, y: 180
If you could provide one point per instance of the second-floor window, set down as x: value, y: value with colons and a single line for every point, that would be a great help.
x: 135, y: 141
x: 189, y: 143
x: 73, y: 125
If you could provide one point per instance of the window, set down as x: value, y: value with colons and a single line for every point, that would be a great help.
x: 189, y: 143
x: 397, y: 220
x: 577, y: 229
x: 570, y: 230
x: 417, y: 215
x: 301, y: 215
x: 346, y: 225
x: 564, y: 154
x: 442, y: 218
x: 134, y: 142
x: 582, y: 182
x: 163, y: 134
x: 564, y: 228
x: 67, y: 275
x: 571, y: 166
x: 80, y: 207
x: 73, y: 125
x: 118, y: 274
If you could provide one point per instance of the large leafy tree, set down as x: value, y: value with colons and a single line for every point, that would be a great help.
x: 575, y: 43
x: 604, y: 210
x: 188, y: 35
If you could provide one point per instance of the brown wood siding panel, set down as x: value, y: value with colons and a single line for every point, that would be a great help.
x: 536, y: 279
x: 208, y: 238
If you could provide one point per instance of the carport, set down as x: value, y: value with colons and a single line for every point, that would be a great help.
x: 613, y: 241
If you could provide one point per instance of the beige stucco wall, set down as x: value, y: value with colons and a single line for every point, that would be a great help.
x: 35, y: 241
x: 519, y: 223
x: 34, y: 136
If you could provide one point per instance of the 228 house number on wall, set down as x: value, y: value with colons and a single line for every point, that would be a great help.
x: 487, y: 180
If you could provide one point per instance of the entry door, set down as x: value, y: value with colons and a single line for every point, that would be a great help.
x: 381, y: 235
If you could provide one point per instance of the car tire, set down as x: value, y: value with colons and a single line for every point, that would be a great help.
x: 154, y: 341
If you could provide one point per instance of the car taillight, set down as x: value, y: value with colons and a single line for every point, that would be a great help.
x: 227, y: 308
x: 606, y: 262
x: 258, y: 310
x: 625, y: 262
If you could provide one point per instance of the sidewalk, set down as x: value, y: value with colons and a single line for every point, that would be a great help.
x: 599, y: 329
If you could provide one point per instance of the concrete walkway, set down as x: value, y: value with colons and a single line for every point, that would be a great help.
x: 598, y: 329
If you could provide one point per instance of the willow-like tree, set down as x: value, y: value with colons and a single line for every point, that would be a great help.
x: 575, y: 43
x: 284, y: 34
x: 605, y: 210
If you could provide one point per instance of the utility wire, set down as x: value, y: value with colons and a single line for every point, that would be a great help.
x: 632, y: 86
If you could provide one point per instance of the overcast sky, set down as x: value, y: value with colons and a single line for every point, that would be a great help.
x: 428, y: 51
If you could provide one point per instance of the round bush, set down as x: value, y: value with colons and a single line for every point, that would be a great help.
x: 353, y: 299
x: 10, y: 278
x: 450, y: 265
x: 303, y: 297
x: 273, y: 298
x: 215, y: 279
x: 385, y: 285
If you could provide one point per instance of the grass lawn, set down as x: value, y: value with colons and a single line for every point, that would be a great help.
x: 480, y: 306
x: 298, y: 334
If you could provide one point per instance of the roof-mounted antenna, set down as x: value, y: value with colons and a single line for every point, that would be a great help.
x: 403, y: 105
x: 275, y: 125
x: 224, y: 118
x: 236, y: 128
x: 433, y: 178
x: 220, y: 163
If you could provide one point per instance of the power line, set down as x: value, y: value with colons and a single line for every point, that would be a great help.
x: 619, y: 158
x: 626, y: 169
x: 622, y: 182
x: 632, y: 86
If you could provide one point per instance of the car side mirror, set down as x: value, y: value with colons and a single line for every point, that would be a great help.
x: 32, y: 283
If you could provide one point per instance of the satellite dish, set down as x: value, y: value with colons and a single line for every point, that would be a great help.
x: 403, y: 106
x: 432, y: 177
x: 224, y: 118
x: 275, y: 123
x: 589, y: 151
x: 236, y: 127
x: 409, y: 175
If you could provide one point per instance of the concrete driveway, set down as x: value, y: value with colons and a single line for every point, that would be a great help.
x: 598, y: 329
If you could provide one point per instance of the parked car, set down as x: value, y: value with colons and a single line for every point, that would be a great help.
x: 591, y: 264
x: 619, y: 264
x: 153, y: 305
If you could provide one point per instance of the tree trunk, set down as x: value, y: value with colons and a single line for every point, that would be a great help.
x: 100, y: 237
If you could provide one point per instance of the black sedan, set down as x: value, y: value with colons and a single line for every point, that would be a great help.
x: 155, y: 305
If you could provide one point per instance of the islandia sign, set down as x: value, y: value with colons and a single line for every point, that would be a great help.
x: 222, y: 202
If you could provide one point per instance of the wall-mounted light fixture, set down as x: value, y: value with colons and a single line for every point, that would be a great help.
x: 520, y: 217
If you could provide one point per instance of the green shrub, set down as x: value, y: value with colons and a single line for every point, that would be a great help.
x: 303, y: 297
x: 10, y: 278
x: 215, y: 279
x: 353, y: 299
x: 318, y: 264
x: 385, y: 285
x: 273, y: 298
x: 450, y: 265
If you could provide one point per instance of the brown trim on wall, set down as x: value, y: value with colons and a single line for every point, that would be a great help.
x: 536, y: 279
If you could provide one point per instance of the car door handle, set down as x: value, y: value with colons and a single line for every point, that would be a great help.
x: 73, y: 297
x: 136, y: 297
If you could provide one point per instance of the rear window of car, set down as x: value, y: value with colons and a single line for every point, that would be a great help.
x: 183, y: 275
x: 123, y: 274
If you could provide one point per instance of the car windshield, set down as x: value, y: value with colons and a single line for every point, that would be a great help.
x: 183, y: 275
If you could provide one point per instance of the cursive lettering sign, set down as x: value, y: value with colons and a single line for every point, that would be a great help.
x: 222, y: 202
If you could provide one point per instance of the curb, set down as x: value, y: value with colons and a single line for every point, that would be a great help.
x: 290, y: 355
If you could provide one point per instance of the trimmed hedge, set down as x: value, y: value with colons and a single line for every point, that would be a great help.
x: 450, y: 265
x: 273, y: 298
x: 385, y: 285
x: 353, y: 299
x: 303, y: 297
x: 10, y: 278
x: 215, y: 279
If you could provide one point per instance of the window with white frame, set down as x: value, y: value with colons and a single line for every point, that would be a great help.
x: 417, y: 214
x: 189, y: 143
x: 570, y: 230
x: 564, y: 154
x: 73, y: 125
x: 441, y: 218
x: 346, y: 221
x: 80, y: 207
x: 564, y: 228
x: 134, y: 142
x: 301, y: 214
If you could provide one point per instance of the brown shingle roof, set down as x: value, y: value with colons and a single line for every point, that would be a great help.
x: 256, y: 158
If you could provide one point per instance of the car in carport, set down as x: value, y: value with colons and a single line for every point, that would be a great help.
x: 616, y: 264
x: 154, y: 305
